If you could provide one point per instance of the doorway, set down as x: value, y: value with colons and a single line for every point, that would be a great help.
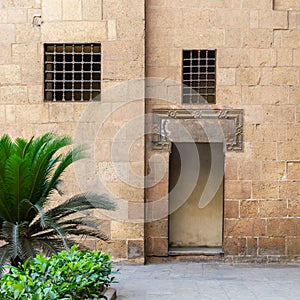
x: 193, y: 225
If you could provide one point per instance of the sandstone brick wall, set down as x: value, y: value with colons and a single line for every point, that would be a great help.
x: 257, y: 71
x: 119, y: 27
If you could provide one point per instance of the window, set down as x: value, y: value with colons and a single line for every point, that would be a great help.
x: 198, y: 76
x: 72, y: 72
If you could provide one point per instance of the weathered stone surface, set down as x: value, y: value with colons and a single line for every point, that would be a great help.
x: 271, y: 246
x: 273, y: 208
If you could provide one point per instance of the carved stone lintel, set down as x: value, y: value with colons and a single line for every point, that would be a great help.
x: 200, y: 125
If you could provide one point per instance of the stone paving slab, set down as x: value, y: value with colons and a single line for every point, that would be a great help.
x: 189, y: 281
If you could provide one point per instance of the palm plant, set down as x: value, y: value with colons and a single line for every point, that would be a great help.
x: 30, y: 172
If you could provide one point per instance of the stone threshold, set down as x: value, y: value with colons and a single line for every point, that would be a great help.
x: 195, y: 251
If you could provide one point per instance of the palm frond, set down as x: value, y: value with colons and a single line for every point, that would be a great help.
x: 5, y: 255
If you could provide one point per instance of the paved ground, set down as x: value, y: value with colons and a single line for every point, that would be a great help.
x: 189, y: 281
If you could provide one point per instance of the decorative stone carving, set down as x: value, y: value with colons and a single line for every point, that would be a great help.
x: 199, y: 125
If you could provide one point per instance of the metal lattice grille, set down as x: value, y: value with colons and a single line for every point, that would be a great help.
x: 199, y: 76
x: 72, y: 72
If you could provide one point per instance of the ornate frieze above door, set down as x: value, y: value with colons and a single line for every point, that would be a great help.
x: 197, y: 125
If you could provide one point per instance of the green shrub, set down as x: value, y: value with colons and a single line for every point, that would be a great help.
x: 72, y: 274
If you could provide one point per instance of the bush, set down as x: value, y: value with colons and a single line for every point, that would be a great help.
x: 72, y: 274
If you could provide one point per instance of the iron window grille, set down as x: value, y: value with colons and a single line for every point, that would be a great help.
x: 198, y: 76
x: 72, y: 72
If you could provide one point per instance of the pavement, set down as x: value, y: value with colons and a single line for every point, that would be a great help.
x: 190, y: 280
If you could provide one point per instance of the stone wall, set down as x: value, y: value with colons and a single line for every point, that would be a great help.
x: 257, y: 71
x: 119, y: 27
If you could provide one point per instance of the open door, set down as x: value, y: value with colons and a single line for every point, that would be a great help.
x: 192, y: 226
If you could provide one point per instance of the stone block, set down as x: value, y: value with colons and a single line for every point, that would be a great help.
x: 254, y: 19
x: 248, y: 76
x: 157, y: 246
x: 293, y: 246
x: 233, y: 37
x: 273, y: 19
x: 253, y: 115
x: 283, y: 227
x: 5, y: 54
x: 257, y: 38
x: 264, y: 189
x: 210, y: 38
x: 27, y: 33
x: 8, y: 33
x: 13, y: 95
x: 231, y: 169
x: 2, y: 114
x: 232, y: 58
x: 265, y: 95
x: 123, y: 69
x: 71, y: 10
x: 294, y: 94
x: 249, y: 133
x: 293, y: 133
x: 249, y: 209
x: 262, y: 57
x: 136, y: 211
x: 10, y: 74
x: 202, y: 3
x: 135, y: 249
x: 245, y: 227
x: 289, y: 190
x: 92, y: 10
x: 293, y: 170
x: 32, y: 74
x: 273, y: 170
x: 51, y: 10
x: 252, y: 246
x: 284, y: 57
x: 258, y: 4
x: 295, y: 57
x: 289, y: 151
x: 273, y: 208
x: 231, y: 209
x: 249, y: 170
x: 125, y: 191
x: 287, y: 38
x: 158, y: 228
x: 286, y: 5
x: 229, y: 95
x: 279, y: 114
x: 111, y: 30
x: 165, y: 17
x: 235, y: 189
x: 264, y: 151
x: 16, y: 15
x: 115, y: 9
x: 25, y: 53
x: 234, y: 246
x: 74, y: 31
x: 285, y: 76
x: 21, y: 3
x: 10, y: 114
x: 271, y: 246
x: 117, y: 248
x: 270, y: 132
x: 231, y: 18
x: 226, y: 76
x: 294, y: 208
x: 124, y: 230
x: 61, y: 112
x: 266, y: 76
x: 31, y: 114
